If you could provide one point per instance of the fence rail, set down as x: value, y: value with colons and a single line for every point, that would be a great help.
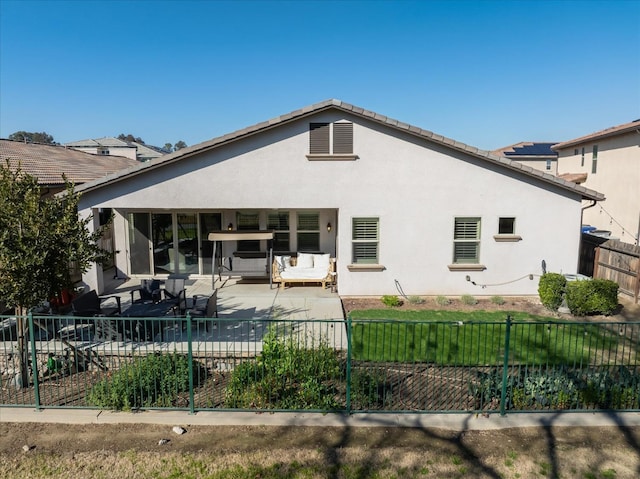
x: 319, y: 365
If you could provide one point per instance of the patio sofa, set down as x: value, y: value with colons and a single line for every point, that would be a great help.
x: 303, y: 268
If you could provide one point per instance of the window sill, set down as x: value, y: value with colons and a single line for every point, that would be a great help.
x: 327, y: 157
x: 507, y: 238
x: 366, y: 267
x: 466, y: 267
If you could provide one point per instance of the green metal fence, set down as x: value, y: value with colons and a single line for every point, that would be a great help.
x: 319, y: 365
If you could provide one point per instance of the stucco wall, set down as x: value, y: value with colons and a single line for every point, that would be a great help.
x: 414, y: 187
x: 617, y: 176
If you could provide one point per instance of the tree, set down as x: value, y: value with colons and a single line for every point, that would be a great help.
x: 38, y: 238
x: 130, y: 138
x: 29, y: 137
x: 179, y: 145
x: 168, y: 147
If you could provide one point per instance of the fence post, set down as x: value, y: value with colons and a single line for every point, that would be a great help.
x: 190, y: 360
x: 505, y: 368
x: 34, y: 362
x: 348, y: 398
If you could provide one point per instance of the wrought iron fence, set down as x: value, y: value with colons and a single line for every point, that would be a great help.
x: 318, y: 365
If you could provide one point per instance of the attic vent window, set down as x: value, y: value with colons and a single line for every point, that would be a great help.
x: 103, y: 151
x: 331, y: 141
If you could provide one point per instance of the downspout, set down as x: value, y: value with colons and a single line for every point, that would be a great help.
x: 595, y: 202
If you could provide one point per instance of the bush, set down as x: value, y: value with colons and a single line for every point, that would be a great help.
x: 597, y: 296
x: 150, y: 381
x: 415, y: 300
x: 287, y: 375
x: 551, y: 290
x: 468, y: 300
x: 391, y: 301
x: 443, y: 301
x: 499, y: 300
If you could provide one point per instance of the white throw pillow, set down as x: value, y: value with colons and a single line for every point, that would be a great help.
x: 321, y: 261
x: 283, y: 262
x: 305, y: 260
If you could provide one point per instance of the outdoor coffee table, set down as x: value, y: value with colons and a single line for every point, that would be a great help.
x: 145, y: 329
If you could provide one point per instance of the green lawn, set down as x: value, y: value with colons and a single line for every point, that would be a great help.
x: 477, y: 338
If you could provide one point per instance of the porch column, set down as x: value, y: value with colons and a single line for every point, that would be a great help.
x: 92, y: 279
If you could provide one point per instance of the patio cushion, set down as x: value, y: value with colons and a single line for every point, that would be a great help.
x: 305, y: 260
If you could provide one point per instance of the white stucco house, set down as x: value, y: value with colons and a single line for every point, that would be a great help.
x: 608, y: 161
x: 114, y: 146
x: 396, y: 205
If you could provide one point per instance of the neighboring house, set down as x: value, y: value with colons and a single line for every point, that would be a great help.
x: 115, y: 146
x: 49, y: 162
x: 401, y: 208
x: 607, y: 161
x: 534, y: 154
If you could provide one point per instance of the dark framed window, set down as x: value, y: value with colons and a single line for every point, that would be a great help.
x: 507, y: 226
x: 248, y: 221
x: 279, y: 222
x: 594, y: 159
x: 308, y: 232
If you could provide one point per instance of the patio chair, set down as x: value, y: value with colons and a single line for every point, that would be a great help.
x: 208, y: 310
x: 174, y: 292
x: 149, y: 291
x: 90, y: 304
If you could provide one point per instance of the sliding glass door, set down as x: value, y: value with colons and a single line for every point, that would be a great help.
x: 168, y: 243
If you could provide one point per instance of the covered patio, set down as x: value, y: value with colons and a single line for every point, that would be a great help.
x: 250, y: 299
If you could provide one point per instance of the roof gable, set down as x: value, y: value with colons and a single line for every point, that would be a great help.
x: 501, y: 161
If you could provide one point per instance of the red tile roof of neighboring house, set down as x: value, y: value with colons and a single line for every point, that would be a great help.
x: 49, y: 162
x: 613, y: 131
x: 574, y: 177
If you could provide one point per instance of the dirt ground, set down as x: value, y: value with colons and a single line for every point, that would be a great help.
x: 117, y: 451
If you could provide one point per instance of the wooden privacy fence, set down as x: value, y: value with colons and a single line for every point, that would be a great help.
x: 619, y: 262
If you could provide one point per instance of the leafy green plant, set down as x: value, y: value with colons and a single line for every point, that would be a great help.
x: 288, y: 374
x: 468, y: 300
x: 597, y: 296
x: 151, y: 381
x: 391, y: 300
x: 551, y: 290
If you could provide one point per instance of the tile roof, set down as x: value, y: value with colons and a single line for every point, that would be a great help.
x: 144, y: 152
x: 353, y: 110
x: 527, y: 149
x: 613, y: 131
x: 49, y: 162
x: 574, y: 177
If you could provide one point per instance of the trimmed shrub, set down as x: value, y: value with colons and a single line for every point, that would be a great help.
x: 551, y: 289
x: 150, y: 381
x: 597, y: 296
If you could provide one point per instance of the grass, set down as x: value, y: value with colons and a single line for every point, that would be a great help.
x: 473, y: 338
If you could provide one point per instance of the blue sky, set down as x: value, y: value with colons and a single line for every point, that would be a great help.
x: 485, y: 73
